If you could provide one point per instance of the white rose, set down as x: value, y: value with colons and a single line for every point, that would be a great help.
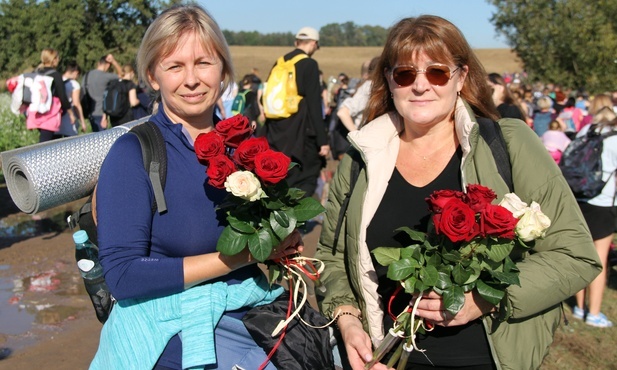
x: 244, y: 184
x: 514, y: 204
x: 532, y: 224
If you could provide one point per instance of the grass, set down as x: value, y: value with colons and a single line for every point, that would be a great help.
x: 580, y: 346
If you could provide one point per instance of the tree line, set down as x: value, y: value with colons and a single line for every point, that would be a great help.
x: 568, y: 42
x: 333, y: 34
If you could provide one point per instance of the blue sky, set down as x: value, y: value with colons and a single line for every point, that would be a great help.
x: 267, y: 16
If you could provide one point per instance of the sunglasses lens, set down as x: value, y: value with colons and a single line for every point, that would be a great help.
x: 438, y: 75
x: 404, y: 76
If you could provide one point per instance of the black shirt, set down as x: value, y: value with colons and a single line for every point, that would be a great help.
x: 404, y: 205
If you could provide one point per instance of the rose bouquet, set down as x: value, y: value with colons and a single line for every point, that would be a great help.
x: 261, y: 209
x: 467, y: 246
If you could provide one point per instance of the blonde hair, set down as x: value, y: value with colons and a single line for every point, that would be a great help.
x: 544, y: 103
x: 126, y: 69
x: 441, y: 41
x: 48, y: 56
x: 163, y: 35
x: 601, y: 109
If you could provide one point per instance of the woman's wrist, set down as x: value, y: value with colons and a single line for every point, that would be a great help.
x: 347, y: 312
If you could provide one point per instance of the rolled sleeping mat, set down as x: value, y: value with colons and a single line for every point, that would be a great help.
x: 52, y: 173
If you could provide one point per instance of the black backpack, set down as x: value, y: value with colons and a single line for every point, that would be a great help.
x: 154, y: 154
x: 581, y: 163
x: 490, y: 132
x: 87, y: 103
x: 116, y: 99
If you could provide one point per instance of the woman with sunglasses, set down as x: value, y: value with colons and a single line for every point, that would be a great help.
x: 421, y: 135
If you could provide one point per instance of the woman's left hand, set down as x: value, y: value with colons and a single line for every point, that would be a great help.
x: 291, y: 245
x: 431, y: 308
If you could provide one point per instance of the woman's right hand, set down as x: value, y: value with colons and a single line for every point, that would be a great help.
x: 291, y: 245
x: 357, y: 343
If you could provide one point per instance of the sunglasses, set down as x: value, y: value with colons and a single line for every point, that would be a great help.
x: 436, y: 74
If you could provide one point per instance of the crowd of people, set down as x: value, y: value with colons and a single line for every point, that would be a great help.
x: 412, y: 119
x: 67, y: 117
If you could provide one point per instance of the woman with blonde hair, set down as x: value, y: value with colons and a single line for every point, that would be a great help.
x: 600, y: 212
x: 543, y: 118
x: 428, y: 99
x: 50, y: 58
x: 126, y: 85
x: 601, y: 109
x: 151, y: 260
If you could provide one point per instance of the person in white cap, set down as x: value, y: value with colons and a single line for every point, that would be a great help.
x: 303, y: 135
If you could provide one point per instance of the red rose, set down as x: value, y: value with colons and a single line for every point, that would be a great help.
x: 248, y: 149
x: 497, y: 221
x: 235, y: 130
x: 478, y: 197
x: 208, y: 146
x: 439, y: 198
x: 456, y: 221
x: 271, y: 166
x: 219, y: 168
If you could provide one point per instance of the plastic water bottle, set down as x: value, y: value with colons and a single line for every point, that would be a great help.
x: 86, y: 254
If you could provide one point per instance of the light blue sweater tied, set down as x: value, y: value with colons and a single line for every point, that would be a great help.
x: 138, y: 330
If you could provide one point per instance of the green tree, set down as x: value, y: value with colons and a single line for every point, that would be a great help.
x: 83, y: 30
x: 333, y: 34
x: 569, y: 42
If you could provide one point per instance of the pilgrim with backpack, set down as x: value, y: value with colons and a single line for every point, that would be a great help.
x: 120, y: 96
x: 41, y: 96
x: 589, y: 165
x: 245, y: 102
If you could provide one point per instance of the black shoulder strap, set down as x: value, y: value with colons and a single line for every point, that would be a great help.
x: 491, y: 133
x: 154, y: 155
x: 85, y: 87
x: 356, y: 166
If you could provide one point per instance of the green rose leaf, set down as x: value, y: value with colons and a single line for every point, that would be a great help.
x: 274, y: 272
x: 433, y: 259
x: 410, y: 285
x: 451, y: 256
x: 260, y: 245
x: 490, y: 294
x: 429, y: 275
x: 409, y: 251
x: 509, y: 265
x: 307, y: 209
x: 401, y: 269
x: 273, y: 203
x: 231, y: 242
x: 283, y: 223
x: 454, y: 299
x: 413, y: 234
x: 460, y: 274
x: 241, y: 226
x: 475, y: 269
x: 385, y: 255
x: 506, y: 277
x: 443, y: 281
x: 295, y: 193
x: 498, y: 252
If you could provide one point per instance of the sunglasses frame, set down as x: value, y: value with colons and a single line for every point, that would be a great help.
x: 449, y: 74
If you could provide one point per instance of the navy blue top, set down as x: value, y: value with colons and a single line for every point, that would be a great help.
x: 141, y: 252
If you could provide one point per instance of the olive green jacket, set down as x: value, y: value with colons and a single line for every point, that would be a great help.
x: 558, y: 266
